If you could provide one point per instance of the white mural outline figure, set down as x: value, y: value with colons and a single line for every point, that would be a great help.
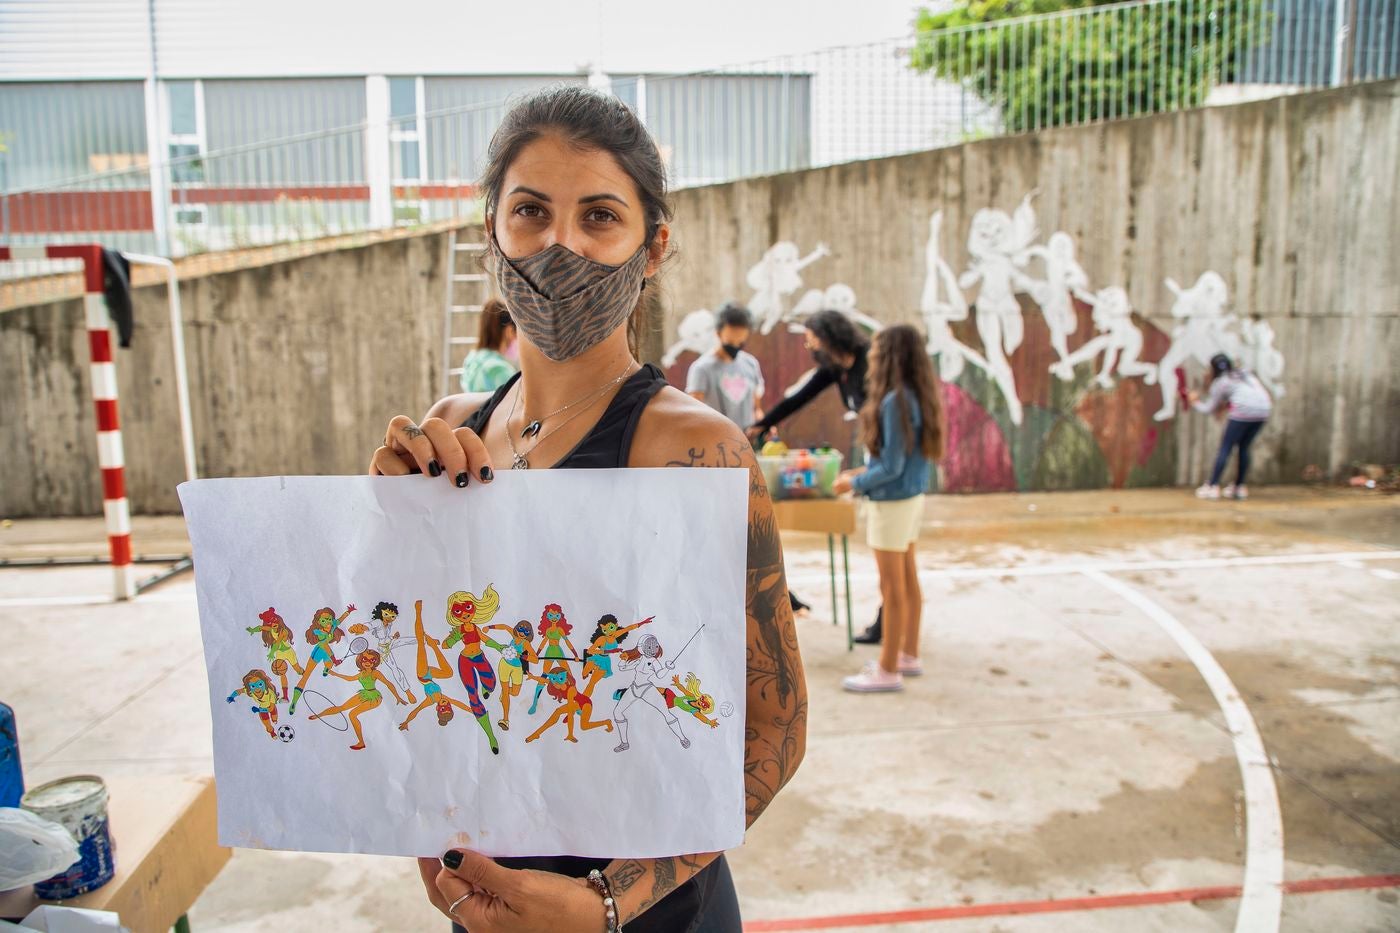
x: 835, y: 297
x: 938, y: 312
x: 1064, y: 280
x: 695, y: 333
x: 997, y: 245
x: 775, y: 276
x: 1119, y: 340
x: 1200, y: 335
x: 1259, y: 355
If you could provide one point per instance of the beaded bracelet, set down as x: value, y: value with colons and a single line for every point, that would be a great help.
x: 599, y: 881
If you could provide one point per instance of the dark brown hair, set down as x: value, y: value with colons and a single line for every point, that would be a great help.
x: 495, y: 318
x: 899, y: 361
x: 586, y: 119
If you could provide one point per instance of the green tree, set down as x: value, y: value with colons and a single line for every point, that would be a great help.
x: 1120, y: 60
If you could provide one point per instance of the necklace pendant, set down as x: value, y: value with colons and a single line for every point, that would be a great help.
x: 520, y: 463
x: 531, y: 430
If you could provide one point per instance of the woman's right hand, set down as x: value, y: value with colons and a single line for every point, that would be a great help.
x: 433, y: 447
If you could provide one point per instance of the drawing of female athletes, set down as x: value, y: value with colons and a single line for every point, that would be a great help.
x: 554, y: 628
x: 432, y: 693
x: 278, y: 639
x: 688, y: 698
x: 464, y: 613
x: 323, y: 632
x: 257, y: 686
x: 607, y: 639
x: 367, y: 698
x: 562, y: 687
x: 516, y: 658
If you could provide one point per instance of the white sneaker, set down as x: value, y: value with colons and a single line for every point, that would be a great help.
x: 1241, y: 493
x: 1228, y: 492
x: 1208, y: 492
x: 910, y: 666
x: 873, y: 679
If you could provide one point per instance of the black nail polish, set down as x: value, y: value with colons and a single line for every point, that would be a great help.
x: 434, y: 468
x: 462, y: 479
x: 452, y: 859
x: 486, y: 474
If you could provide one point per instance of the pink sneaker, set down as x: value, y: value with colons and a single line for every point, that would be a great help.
x: 873, y: 679
x: 910, y: 666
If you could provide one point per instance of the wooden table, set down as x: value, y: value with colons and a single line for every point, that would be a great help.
x: 165, y: 831
x: 830, y: 517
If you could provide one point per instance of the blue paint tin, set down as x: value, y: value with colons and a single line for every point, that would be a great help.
x: 11, y: 774
x: 79, y: 804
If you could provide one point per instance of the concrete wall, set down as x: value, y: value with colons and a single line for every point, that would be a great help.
x: 1293, y: 201
x: 295, y: 367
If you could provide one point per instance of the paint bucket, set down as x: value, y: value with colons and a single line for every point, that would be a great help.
x: 79, y: 804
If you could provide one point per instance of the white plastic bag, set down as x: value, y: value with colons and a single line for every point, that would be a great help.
x: 32, y: 848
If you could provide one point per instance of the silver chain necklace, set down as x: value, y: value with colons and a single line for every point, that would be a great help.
x: 518, y: 459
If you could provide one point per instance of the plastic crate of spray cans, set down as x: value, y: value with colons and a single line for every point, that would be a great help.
x: 801, y: 473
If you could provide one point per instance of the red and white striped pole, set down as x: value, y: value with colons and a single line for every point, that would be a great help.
x: 104, y: 396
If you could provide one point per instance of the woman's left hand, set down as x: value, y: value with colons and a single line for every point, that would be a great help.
x: 505, y: 899
x: 842, y: 485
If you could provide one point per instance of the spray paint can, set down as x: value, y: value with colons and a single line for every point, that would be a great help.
x: 11, y: 774
x: 79, y: 804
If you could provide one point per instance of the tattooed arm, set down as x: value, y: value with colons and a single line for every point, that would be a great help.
x: 675, y: 431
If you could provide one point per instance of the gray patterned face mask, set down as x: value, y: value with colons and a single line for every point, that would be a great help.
x: 563, y: 303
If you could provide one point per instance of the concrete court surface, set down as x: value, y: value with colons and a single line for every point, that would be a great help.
x: 1063, y: 750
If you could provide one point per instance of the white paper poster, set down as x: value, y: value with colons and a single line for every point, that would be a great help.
x: 549, y: 665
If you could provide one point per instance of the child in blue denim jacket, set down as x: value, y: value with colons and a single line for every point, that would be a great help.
x: 902, y: 425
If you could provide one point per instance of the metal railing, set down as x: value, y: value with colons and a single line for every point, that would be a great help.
x: 938, y: 87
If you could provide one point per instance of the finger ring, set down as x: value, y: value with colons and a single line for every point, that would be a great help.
x: 452, y: 908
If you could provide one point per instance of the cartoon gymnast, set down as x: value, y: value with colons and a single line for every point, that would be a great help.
x: 606, y: 641
x: 323, y: 632
x: 464, y: 613
x: 258, y: 688
x: 278, y: 639
x: 516, y: 658
x: 648, y: 679
x: 562, y: 687
x: 432, y: 693
x: 688, y: 698
x: 382, y: 628
x: 554, y: 628
x: 367, y: 698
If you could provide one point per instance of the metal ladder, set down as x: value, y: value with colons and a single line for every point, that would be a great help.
x: 461, y: 316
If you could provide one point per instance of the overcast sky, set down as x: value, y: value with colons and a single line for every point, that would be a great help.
x: 109, y: 38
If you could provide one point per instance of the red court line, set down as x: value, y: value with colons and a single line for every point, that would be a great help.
x: 1099, y: 902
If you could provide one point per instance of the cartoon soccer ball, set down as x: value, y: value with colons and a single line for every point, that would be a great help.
x: 285, y: 732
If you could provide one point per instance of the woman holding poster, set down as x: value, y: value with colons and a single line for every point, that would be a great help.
x: 577, y: 222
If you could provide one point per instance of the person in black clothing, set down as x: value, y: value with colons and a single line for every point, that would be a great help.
x: 841, y: 352
x: 577, y: 222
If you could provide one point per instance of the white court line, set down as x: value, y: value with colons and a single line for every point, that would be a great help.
x: 1123, y: 566
x: 1261, y: 900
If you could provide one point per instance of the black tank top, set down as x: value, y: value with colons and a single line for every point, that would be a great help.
x: 608, y: 445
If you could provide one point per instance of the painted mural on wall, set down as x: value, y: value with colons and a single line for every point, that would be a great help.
x: 1051, y: 381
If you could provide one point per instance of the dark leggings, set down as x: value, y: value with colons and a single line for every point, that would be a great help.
x: 1237, y: 434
